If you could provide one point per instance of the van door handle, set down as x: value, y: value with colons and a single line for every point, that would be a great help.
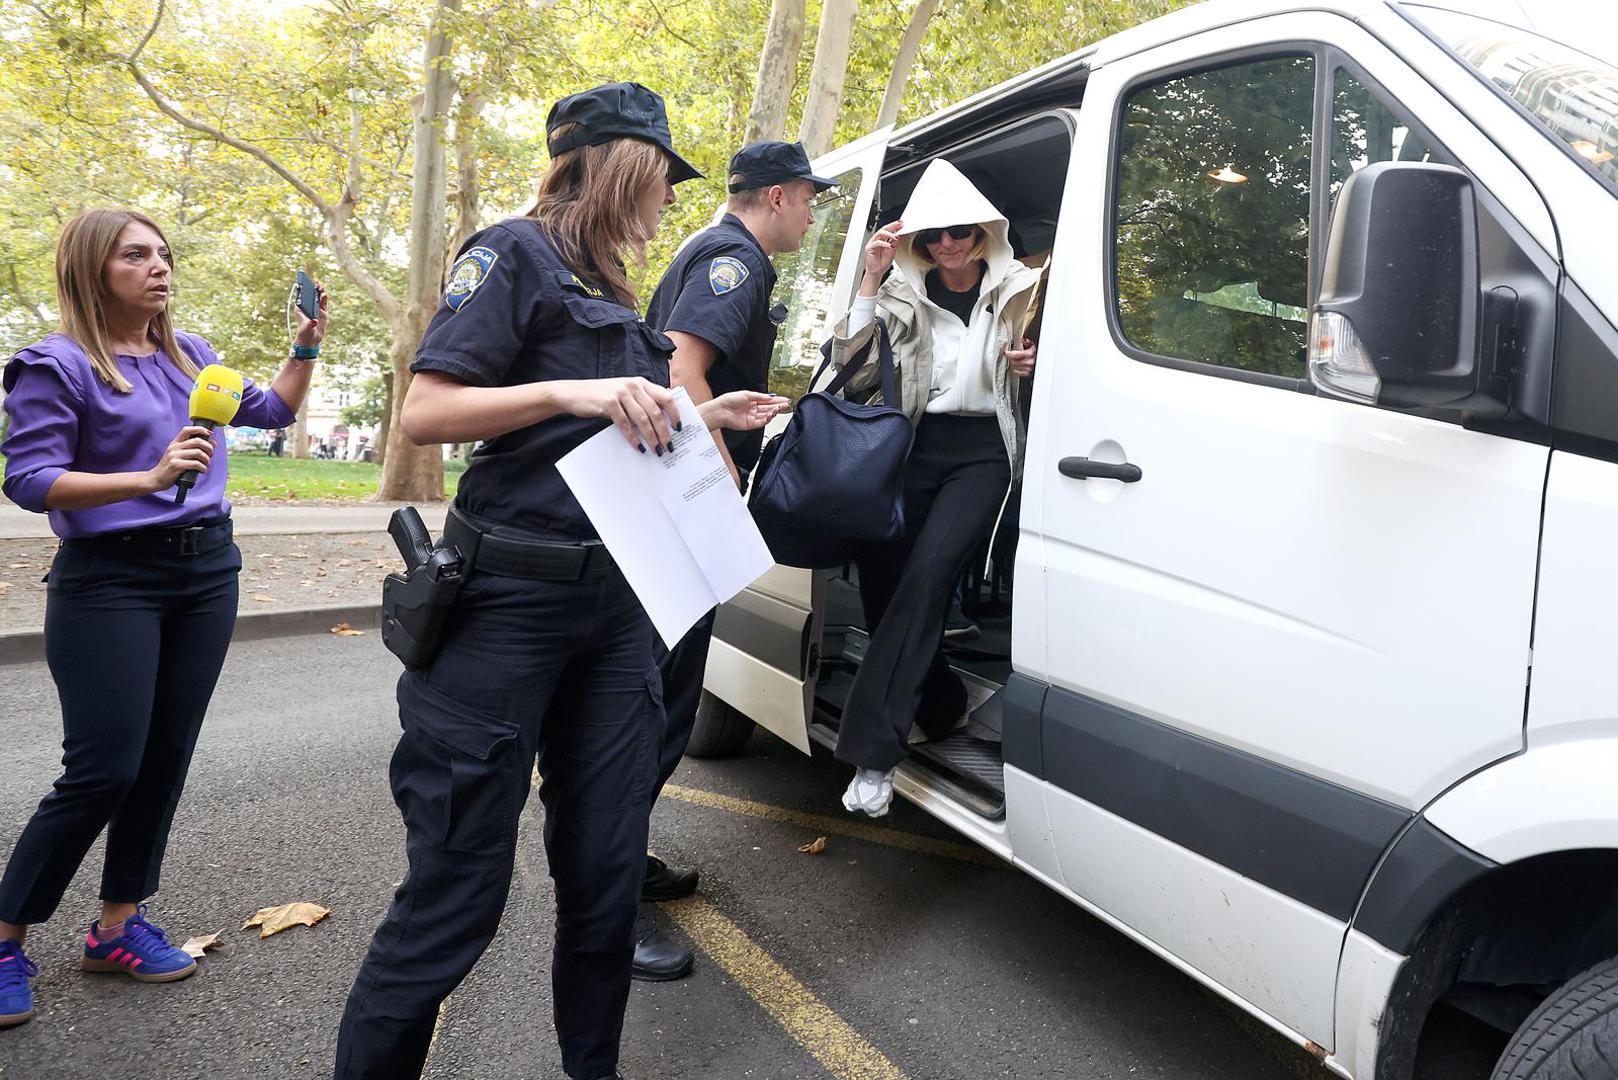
x: 1082, y: 468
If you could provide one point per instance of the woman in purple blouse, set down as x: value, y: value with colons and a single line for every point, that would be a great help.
x: 142, y: 594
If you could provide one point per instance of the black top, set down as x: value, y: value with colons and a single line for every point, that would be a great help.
x: 959, y: 304
x: 513, y: 313
x: 718, y: 289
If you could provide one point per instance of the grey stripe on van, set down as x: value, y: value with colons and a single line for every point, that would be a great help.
x: 1311, y: 840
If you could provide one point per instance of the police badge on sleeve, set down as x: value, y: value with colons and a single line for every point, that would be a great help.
x: 725, y: 274
x: 470, y: 271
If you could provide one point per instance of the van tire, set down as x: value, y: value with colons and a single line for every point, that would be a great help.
x: 719, y: 731
x: 1574, y: 1034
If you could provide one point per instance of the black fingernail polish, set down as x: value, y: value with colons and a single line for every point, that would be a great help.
x: 641, y: 447
x: 659, y: 449
x: 679, y: 427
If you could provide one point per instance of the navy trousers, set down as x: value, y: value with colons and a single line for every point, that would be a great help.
x: 135, y: 642
x: 683, y: 669
x: 564, y: 672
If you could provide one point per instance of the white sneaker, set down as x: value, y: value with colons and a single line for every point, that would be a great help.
x: 870, y: 792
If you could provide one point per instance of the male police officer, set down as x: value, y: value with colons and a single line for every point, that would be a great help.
x: 714, y: 302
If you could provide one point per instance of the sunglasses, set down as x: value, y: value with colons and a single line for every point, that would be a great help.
x: 956, y: 232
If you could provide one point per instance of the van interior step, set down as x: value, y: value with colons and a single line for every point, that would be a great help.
x: 969, y: 759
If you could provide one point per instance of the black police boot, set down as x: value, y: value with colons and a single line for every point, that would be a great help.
x: 663, y: 882
x: 658, y: 957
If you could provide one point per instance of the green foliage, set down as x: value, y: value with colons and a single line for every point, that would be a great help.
x: 367, y: 411
x: 327, y: 89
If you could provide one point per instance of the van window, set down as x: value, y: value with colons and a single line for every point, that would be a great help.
x: 1211, y: 226
x: 1365, y: 130
x: 804, y: 282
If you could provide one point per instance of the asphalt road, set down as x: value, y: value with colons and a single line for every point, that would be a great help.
x: 897, y: 955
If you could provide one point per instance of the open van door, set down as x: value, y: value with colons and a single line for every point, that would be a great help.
x: 765, y: 652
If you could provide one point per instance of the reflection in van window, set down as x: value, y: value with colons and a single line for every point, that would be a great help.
x: 804, y: 281
x: 1365, y: 131
x: 1573, y: 94
x: 1211, y: 233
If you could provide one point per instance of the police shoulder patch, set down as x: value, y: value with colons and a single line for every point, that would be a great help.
x: 470, y: 271
x: 725, y: 274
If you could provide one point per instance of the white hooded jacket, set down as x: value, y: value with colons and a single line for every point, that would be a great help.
x: 944, y: 366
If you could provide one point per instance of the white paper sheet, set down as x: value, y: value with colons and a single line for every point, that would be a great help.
x: 675, y: 525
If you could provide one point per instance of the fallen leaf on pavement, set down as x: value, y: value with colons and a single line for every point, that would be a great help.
x: 815, y: 847
x: 261, y: 598
x: 342, y: 629
x: 195, y: 947
x: 273, y: 920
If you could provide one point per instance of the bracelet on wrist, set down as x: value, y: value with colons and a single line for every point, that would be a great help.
x: 305, y: 352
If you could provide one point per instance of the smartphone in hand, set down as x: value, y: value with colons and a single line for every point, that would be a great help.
x: 306, y: 296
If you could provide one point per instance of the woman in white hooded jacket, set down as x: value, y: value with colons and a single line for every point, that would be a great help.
x: 953, y: 309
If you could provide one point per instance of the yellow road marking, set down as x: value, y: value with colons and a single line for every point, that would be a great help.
x: 438, y: 1025
x: 839, y: 1048
x: 818, y: 823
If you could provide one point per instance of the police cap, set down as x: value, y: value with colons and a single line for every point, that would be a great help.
x: 761, y: 164
x: 622, y: 110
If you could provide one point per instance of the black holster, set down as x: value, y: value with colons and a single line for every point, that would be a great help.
x: 416, y: 603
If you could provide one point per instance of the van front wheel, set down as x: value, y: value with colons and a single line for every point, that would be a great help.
x: 1574, y: 1034
x: 719, y: 731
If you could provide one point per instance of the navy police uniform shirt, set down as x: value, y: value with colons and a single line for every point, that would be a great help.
x: 513, y: 313
x: 718, y: 289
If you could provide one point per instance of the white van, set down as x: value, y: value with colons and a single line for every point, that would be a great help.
x: 1298, y: 655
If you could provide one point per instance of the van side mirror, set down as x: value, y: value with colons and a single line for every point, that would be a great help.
x: 1397, y: 320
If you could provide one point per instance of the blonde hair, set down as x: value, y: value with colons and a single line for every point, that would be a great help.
x: 979, y: 249
x: 586, y: 203
x: 82, y: 251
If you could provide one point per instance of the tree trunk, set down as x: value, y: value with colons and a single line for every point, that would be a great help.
x: 915, y: 30
x: 826, y: 80
x: 777, y: 72
x: 416, y: 473
x: 300, y: 432
x: 467, y: 118
x: 379, y: 451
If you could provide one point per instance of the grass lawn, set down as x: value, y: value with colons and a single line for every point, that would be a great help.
x: 254, y: 475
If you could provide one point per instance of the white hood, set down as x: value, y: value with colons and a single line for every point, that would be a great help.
x: 945, y: 197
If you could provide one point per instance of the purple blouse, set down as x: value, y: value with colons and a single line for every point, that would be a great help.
x: 64, y: 418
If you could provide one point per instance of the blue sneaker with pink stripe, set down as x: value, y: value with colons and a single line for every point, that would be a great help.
x: 142, y: 952
x: 16, y: 995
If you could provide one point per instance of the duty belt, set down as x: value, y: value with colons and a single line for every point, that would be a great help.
x: 507, y: 553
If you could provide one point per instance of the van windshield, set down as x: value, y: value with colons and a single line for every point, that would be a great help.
x: 1572, y: 94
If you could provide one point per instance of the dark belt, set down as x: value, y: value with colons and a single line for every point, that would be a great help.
x: 198, y: 539
x: 506, y: 552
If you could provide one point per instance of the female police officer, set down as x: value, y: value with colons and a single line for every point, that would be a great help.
x: 546, y: 650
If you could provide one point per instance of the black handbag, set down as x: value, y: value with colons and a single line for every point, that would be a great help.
x: 833, y: 480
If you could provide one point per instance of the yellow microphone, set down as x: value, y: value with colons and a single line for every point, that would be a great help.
x: 214, y: 401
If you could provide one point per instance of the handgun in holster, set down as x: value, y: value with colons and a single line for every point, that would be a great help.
x: 415, y: 603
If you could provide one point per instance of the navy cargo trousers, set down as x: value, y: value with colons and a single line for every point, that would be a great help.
x: 561, y: 672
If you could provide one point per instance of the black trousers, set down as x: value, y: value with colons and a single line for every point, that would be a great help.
x: 683, y: 668
x: 955, y: 483
x: 135, y: 642
x: 564, y: 672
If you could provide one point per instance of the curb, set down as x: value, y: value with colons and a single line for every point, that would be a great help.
x: 28, y: 645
